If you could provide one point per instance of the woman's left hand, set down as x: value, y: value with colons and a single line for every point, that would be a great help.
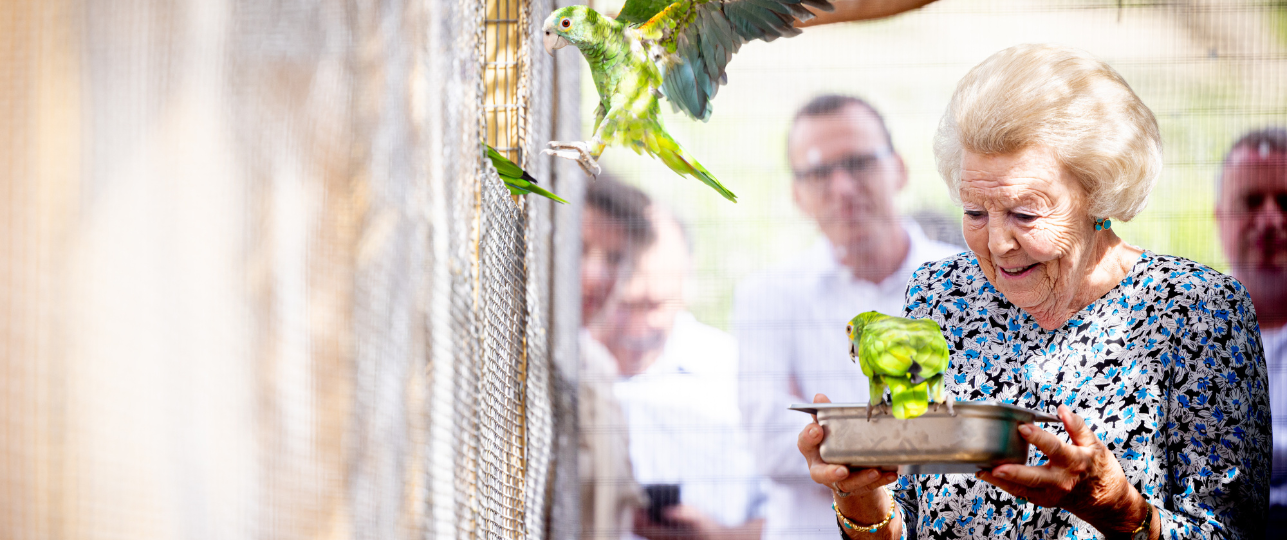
x: 1082, y: 477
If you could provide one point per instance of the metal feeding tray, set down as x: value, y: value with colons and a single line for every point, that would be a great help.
x: 982, y: 435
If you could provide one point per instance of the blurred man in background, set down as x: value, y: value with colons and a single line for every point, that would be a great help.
x: 678, y: 390
x: 790, y: 322
x: 1251, y: 212
x: 614, y: 229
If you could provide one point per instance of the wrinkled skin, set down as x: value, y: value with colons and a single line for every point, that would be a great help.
x: 1026, y: 220
x: 865, y: 503
x: 1082, y: 476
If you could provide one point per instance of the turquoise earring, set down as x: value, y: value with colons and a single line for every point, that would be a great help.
x: 1103, y: 224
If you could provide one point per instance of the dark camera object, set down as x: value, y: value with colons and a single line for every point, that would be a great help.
x: 661, y: 497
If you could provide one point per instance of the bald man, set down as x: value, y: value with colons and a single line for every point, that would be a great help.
x: 678, y: 392
x: 1251, y: 214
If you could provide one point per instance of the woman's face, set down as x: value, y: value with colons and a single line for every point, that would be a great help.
x: 1026, y: 220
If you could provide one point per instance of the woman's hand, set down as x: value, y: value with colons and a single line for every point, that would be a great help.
x: 858, y: 491
x: 1083, y: 477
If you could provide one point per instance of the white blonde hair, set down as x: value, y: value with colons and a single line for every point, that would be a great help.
x: 1064, y: 99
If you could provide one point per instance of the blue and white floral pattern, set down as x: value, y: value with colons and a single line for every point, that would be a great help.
x: 1166, y: 368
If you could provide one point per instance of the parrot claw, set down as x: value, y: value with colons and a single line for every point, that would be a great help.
x: 577, y: 151
x: 882, y: 408
x: 947, y: 402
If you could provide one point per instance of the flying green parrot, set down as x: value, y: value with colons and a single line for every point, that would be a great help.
x: 907, y: 355
x: 515, y: 178
x: 654, y: 49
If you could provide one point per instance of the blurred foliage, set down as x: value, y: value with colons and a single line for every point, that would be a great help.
x: 1209, y: 70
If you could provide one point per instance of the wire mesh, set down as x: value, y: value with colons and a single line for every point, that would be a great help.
x: 502, y: 403
x: 496, y: 461
x: 538, y: 445
x: 504, y: 107
x: 257, y: 279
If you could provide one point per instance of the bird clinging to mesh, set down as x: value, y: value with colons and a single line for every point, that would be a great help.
x: 909, y: 356
x: 517, y: 181
x: 654, y: 49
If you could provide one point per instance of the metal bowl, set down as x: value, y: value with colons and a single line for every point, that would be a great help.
x: 982, y: 435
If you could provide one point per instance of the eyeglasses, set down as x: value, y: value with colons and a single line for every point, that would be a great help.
x: 859, y: 167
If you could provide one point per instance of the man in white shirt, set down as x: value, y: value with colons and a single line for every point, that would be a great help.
x: 614, y: 229
x: 790, y: 321
x: 1251, y: 213
x: 678, y: 391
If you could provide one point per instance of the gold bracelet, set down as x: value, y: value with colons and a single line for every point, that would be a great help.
x: 869, y: 528
x: 1144, y: 525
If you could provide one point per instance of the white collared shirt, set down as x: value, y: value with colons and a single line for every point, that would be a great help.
x: 790, y: 327
x: 685, y: 426
x: 1275, y: 342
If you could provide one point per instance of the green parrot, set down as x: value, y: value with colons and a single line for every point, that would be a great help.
x: 907, y: 355
x: 654, y: 49
x: 515, y: 178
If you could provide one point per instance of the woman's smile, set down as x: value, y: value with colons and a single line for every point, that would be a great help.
x: 1018, y: 271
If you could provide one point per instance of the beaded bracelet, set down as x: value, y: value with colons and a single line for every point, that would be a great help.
x: 867, y: 528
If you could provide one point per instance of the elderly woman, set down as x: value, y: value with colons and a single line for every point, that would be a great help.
x: 1153, y: 362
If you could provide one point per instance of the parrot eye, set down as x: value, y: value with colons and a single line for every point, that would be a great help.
x: 849, y: 328
x: 565, y: 23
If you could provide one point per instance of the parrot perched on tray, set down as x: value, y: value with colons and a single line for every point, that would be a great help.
x: 516, y: 179
x: 907, y: 355
x: 662, y: 48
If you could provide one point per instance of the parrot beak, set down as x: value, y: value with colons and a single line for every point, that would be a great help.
x: 553, y: 41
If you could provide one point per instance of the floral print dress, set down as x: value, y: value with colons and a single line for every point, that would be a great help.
x: 1166, y: 368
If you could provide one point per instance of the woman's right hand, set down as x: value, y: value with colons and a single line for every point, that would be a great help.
x: 865, y: 504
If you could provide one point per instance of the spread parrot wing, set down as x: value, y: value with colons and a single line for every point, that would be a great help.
x: 694, y: 40
x: 639, y: 11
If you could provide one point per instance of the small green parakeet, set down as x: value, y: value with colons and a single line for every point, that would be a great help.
x: 907, y: 355
x: 662, y: 48
x: 515, y: 178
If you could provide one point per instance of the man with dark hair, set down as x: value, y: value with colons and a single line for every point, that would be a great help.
x: 677, y: 388
x: 614, y: 228
x: 1251, y: 214
x: 790, y: 321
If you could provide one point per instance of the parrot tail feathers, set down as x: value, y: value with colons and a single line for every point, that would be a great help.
x: 707, y: 178
x: 679, y: 161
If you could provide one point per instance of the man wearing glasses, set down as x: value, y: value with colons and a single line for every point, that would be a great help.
x: 790, y: 322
